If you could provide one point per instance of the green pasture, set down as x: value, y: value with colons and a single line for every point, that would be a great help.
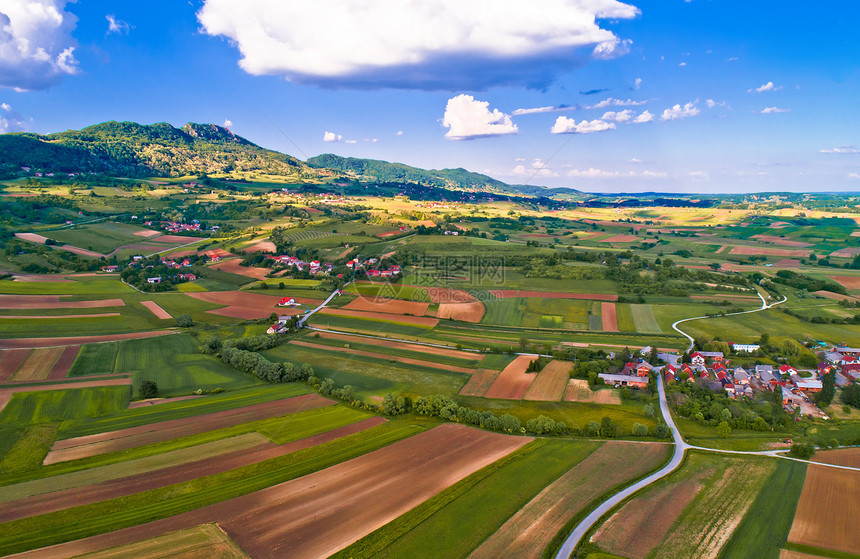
x: 79, y: 522
x: 80, y: 285
x: 436, y: 528
x: 390, y: 291
x: 29, y: 408
x: 94, y: 359
x: 644, y: 319
x: 101, y: 237
x: 423, y: 353
x: 509, y: 311
x: 763, y: 532
x: 624, y: 314
x: 368, y: 325
x: 747, y: 328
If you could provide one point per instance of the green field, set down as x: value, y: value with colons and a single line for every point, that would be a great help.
x: 643, y: 318
x: 100, y: 237
x: 369, y: 326
x: 764, y: 530
x: 436, y: 528
x: 94, y: 359
x: 390, y: 291
x: 81, y: 285
x: 29, y: 408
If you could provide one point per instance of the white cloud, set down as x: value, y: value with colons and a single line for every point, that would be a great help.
x: 467, y: 118
x: 332, y: 137
x: 638, y: 83
x: 621, y: 116
x: 682, y: 64
x: 36, y: 46
x: 643, y: 118
x: 538, y: 169
x: 765, y: 87
x: 635, y: 160
x: 399, y: 133
x: 228, y: 123
x: 678, y: 111
x: 612, y: 102
x: 711, y: 103
x: 564, y: 125
x: 117, y: 26
x: 854, y: 175
x: 699, y: 176
x: 771, y: 110
x: 537, y: 110
x: 593, y: 173
x: 415, y: 44
x: 840, y: 150
x: 350, y: 141
x: 10, y: 120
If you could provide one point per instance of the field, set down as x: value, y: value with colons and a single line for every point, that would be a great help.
x: 480, y: 381
x: 159, y: 313
x: 550, y: 382
x: 242, y: 304
x: 842, y: 457
x: 827, y: 509
x: 382, y: 316
x: 393, y: 306
x: 577, y: 390
x: 394, y: 344
x: 94, y: 359
x: 38, y: 365
x: 609, y: 317
x: 207, y: 541
x: 467, y: 312
x: 643, y: 317
x: 534, y: 526
x: 514, y: 381
x: 372, y: 354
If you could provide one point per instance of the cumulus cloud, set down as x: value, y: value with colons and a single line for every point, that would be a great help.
x: 416, y: 44
x: 399, y: 133
x: 536, y: 110
x: 564, y: 125
x: 117, y: 26
x: 36, y: 47
x: 10, y: 120
x: 711, y: 103
x: 593, y: 173
x: 467, y: 118
x: 769, y: 86
x: 612, y: 102
x: 840, y: 150
x: 854, y: 175
x: 677, y: 111
x: 332, y: 137
x: 771, y: 110
x: 620, y: 116
x: 699, y: 175
x: 228, y: 123
x: 538, y: 169
x: 645, y: 116
x: 637, y: 83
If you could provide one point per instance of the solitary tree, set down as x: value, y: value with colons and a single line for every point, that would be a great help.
x: 184, y: 321
x: 148, y: 389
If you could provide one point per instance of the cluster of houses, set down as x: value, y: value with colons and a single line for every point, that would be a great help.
x: 373, y: 272
x: 314, y: 267
x: 280, y: 326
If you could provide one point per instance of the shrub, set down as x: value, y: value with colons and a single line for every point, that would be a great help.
x: 662, y: 431
x: 803, y: 451
x: 184, y: 321
x: 640, y: 430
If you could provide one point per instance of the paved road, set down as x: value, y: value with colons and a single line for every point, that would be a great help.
x: 334, y: 294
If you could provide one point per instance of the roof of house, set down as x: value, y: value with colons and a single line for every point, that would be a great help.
x: 608, y: 377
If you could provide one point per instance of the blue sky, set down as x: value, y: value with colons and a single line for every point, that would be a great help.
x: 658, y: 95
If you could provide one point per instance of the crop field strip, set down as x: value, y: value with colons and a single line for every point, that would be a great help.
x: 479, y: 382
x: 533, y: 528
x: 513, y: 382
x: 391, y: 306
x: 53, y: 302
x: 644, y: 319
x: 354, y: 471
x: 394, y: 343
x: 404, y: 360
x: 10, y: 361
x: 159, y: 312
x: 206, y: 541
x: 22, y: 343
x: 551, y: 381
x: 197, y: 462
x: 112, y: 441
x: 393, y: 352
x: 424, y: 321
x: 609, y: 318
x: 816, y: 522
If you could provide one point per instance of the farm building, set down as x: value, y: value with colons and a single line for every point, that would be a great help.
x: 624, y: 380
x: 286, y: 302
x: 741, y: 376
x: 156, y: 279
x: 745, y: 348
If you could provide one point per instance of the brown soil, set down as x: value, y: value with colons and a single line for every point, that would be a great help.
x: 787, y: 263
x: 53, y: 302
x: 848, y: 282
x: 394, y: 306
x: 466, y: 312
x: 32, y: 237
x: 92, y: 445
x: 80, y: 251
x: 56, y: 316
x: 232, y: 266
x: 577, y: 390
x: 621, y: 239
x: 420, y: 320
x: 261, y: 246
x: 479, y: 382
x: 38, y: 365
x: 242, y: 304
x: 840, y: 457
x: 509, y: 293
x: 10, y: 360
x: 609, y: 317
x: 175, y: 239
x: 780, y: 241
x: 827, y: 511
x: 201, y: 542
x: 749, y: 251
x: 722, y: 248
x: 837, y: 296
x: 318, y: 514
x: 513, y: 382
x: 534, y: 526
x: 642, y: 523
x: 847, y: 252
x: 145, y: 481
x: 147, y: 233
x: 388, y: 234
x: 387, y: 357
x: 550, y: 382
x: 64, y: 362
x: 18, y: 343
x: 156, y: 309
x: 403, y: 345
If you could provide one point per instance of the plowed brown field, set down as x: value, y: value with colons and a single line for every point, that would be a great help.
x: 406, y: 319
x: 92, y: 445
x: 233, y: 266
x: 156, y: 309
x: 10, y: 360
x: 550, y: 382
x: 386, y: 356
x: 756, y: 251
x: 513, y: 382
x: 620, y: 239
x: 609, y: 317
x: 53, y: 302
x: 840, y: 457
x: 780, y: 241
x: 394, y: 306
x: 530, y: 530
x: 848, y: 282
x: 404, y: 345
x: 828, y: 509
x: 318, y: 514
x: 479, y: 382
x: 510, y: 293
x: 244, y: 305
x: 467, y: 312
x: 64, y: 362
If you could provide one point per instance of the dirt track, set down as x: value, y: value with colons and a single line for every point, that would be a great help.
x: 514, y: 381
x: 323, y: 512
x: 387, y: 357
x: 17, y: 343
x: 78, y: 496
x: 112, y: 441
